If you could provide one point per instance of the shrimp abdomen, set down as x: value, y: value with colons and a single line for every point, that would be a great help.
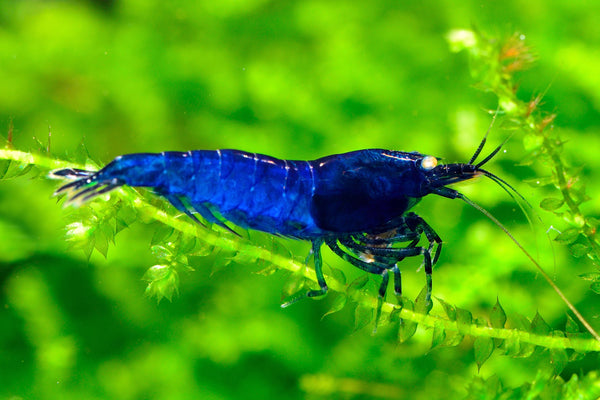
x: 254, y: 191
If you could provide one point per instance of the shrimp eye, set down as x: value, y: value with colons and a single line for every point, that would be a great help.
x: 428, y: 163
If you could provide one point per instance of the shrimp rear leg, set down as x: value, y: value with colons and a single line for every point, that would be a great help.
x: 316, y: 253
x: 179, y: 205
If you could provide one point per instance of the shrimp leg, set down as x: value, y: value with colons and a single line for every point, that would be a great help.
x: 316, y: 253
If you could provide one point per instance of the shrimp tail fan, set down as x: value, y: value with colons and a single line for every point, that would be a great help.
x: 71, y: 173
x: 84, y: 185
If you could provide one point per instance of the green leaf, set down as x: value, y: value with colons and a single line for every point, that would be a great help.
x: 338, y: 275
x: 101, y: 242
x: 590, y: 276
x: 339, y: 302
x: 88, y: 247
x: 579, y: 249
x: 497, y: 316
x: 464, y: 318
x: 245, y: 257
x: 453, y: 339
x: 571, y: 326
x: 160, y: 234
x: 269, y: 270
x: 363, y: 315
x: 4, y: 165
x: 22, y: 170
x: 539, y: 385
x: 422, y: 306
x: 202, y: 250
x: 125, y: 217
x: 511, y: 346
x: 593, y: 222
x: 539, y: 326
x: 357, y: 284
x: 480, y: 389
x: 407, y: 328
x: 539, y: 182
x: 186, y: 244
x: 161, y: 252
x: 449, y: 309
x: 551, y: 204
x: 559, y: 357
x: 276, y: 247
x: 221, y: 261
x: 483, y: 347
x: 439, y: 335
x: 294, y: 284
x: 163, y: 282
x: 568, y: 236
x: 595, y: 287
x: 520, y: 322
x: 532, y: 142
x: 395, y: 314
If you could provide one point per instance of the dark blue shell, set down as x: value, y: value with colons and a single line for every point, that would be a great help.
x: 361, y: 191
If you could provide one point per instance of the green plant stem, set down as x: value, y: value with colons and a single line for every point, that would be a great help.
x: 228, y: 242
x: 589, y: 232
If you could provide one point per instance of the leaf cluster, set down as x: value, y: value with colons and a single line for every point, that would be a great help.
x: 494, y: 65
x: 176, y: 241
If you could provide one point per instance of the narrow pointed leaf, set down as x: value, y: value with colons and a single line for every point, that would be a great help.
x: 338, y: 275
x: 407, y: 328
x: 339, y: 302
x: 551, y: 204
x: 362, y: 316
x: 483, y: 347
x: 558, y: 356
x: 161, y: 252
x: 539, y: 326
x: 449, y: 309
x: 4, y: 165
x: 571, y: 326
x: 161, y: 234
x: 579, y: 249
x: 520, y: 322
x: 422, y: 306
x: 293, y: 285
x: 357, y: 284
x: 590, y: 276
x: 568, y: 236
x: 452, y: 339
x: 497, y: 316
x: 540, y: 181
x: 439, y: 335
x: 464, y: 319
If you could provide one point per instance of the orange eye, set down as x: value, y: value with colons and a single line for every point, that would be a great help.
x: 429, y: 163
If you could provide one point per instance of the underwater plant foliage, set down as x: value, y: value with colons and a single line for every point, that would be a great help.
x: 84, y: 82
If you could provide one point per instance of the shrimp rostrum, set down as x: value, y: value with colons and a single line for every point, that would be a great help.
x: 356, y: 203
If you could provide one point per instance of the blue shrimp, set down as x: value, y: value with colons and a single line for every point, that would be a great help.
x: 356, y: 203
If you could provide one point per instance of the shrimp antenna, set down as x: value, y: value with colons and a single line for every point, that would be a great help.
x: 507, y: 187
x: 480, y: 147
x: 493, y: 153
x: 537, y: 265
x: 510, y: 190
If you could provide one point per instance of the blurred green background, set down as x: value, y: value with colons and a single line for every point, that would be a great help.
x: 296, y: 80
